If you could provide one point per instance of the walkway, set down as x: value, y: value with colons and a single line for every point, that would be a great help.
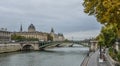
x: 93, y: 60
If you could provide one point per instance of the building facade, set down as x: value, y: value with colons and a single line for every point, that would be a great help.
x: 39, y: 35
x: 56, y: 37
x: 42, y: 36
x: 4, y: 35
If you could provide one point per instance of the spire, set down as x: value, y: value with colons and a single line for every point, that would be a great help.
x: 52, y: 30
x: 21, y: 28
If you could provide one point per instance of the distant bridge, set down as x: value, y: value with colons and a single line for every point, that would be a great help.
x: 36, y: 45
x: 42, y: 45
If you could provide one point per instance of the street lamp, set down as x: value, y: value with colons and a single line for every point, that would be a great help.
x: 117, y: 45
x: 100, y: 50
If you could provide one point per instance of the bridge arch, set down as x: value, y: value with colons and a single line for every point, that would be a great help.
x: 29, y: 47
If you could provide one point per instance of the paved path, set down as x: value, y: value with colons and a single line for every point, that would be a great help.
x: 85, y: 61
x: 93, y: 60
x: 108, y: 61
x: 105, y: 63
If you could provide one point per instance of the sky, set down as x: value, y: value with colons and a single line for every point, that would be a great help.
x: 65, y: 16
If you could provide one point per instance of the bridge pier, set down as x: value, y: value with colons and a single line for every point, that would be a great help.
x: 93, y: 46
x: 36, y: 46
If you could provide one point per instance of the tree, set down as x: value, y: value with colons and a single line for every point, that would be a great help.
x: 31, y: 39
x: 108, y: 35
x: 49, y: 37
x: 18, y: 38
x: 22, y: 38
x: 106, y: 11
x: 66, y: 40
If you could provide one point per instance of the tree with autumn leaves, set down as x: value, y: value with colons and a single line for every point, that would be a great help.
x: 107, y: 13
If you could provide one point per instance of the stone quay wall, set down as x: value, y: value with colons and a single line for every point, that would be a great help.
x: 9, y: 47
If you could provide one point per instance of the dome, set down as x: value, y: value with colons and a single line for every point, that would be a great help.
x: 31, y: 28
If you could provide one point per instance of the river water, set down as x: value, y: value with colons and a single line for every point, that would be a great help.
x: 66, y: 56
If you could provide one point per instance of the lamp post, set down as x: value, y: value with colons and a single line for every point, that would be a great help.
x: 116, y: 45
x: 100, y: 43
x: 100, y: 50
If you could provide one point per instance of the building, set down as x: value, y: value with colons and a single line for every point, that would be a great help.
x: 4, y: 35
x: 56, y: 37
x: 42, y: 36
x: 32, y: 33
x: 31, y: 28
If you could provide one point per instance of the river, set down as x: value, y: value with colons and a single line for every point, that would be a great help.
x: 65, y: 56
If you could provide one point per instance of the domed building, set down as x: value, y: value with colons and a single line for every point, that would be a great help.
x: 31, y: 28
x: 32, y: 33
x: 41, y: 36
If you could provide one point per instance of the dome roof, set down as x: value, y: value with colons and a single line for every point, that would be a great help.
x: 31, y: 28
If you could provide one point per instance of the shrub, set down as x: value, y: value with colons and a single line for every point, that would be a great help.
x: 118, y: 57
x: 112, y: 53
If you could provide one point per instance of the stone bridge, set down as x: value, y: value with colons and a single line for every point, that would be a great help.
x: 35, y: 45
x: 29, y: 46
x: 41, y: 45
x: 10, y: 47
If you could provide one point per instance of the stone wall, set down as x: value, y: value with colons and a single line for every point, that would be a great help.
x: 9, y: 47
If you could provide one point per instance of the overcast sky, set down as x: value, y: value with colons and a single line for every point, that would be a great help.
x: 65, y: 16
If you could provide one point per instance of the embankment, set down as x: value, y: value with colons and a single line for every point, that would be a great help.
x: 9, y: 47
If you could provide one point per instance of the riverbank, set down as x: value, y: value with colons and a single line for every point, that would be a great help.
x: 4, y: 48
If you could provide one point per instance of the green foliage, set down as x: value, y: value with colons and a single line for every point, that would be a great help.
x: 50, y: 38
x: 118, y: 56
x: 18, y: 38
x: 66, y: 40
x: 31, y: 39
x: 22, y: 38
x: 108, y: 35
x: 114, y: 54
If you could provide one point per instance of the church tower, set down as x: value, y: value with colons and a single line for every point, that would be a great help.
x: 52, y: 34
x: 21, y: 28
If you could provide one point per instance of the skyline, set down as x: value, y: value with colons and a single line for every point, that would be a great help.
x: 65, y: 16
